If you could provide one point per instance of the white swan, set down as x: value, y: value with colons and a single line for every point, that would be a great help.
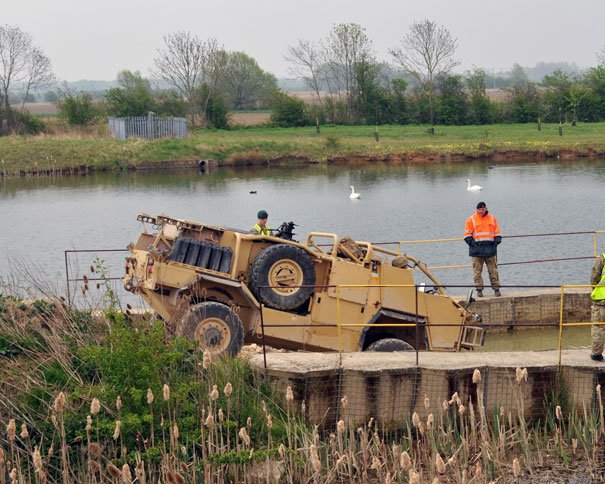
x: 354, y: 195
x: 474, y: 188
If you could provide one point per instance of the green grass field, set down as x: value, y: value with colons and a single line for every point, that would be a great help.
x: 99, y: 151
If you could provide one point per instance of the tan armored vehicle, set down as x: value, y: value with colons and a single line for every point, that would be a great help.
x: 224, y: 287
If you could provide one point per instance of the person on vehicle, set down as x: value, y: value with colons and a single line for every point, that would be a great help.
x: 261, y: 227
x: 597, y: 313
x: 482, y: 234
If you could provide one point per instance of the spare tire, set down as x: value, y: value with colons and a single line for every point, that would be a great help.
x: 215, y: 327
x: 285, y: 268
x: 387, y: 345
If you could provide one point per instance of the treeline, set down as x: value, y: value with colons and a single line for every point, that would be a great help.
x: 199, y: 79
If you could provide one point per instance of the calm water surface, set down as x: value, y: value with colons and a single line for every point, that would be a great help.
x: 44, y: 216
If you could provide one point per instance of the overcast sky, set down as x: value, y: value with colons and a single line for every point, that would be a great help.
x: 95, y: 40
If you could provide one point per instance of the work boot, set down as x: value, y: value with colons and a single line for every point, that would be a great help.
x: 479, y: 293
x: 596, y: 357
x: 497, y: 293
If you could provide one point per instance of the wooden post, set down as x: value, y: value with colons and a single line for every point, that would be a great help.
x: 539, y: 124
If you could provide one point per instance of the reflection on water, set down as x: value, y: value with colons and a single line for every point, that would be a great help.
x: 44, y: 216
x: 538, y: 339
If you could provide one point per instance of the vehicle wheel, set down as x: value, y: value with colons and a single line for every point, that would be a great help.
x: 216, y: 327
x: 386, y: 345
x: 285, y: 267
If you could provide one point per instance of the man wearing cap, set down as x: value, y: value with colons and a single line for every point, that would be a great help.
x: 261, y: 227
x: 597, y: 313
x: 482, y: 234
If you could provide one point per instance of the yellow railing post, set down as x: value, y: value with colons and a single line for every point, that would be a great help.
x: 561, y: 323
x: 338, y: 324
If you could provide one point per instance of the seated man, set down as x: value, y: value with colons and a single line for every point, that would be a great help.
x: 261, y: 227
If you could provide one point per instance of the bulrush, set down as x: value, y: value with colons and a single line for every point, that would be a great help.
x: 114, y: 471
x: 228, y: 390
x: 94, y: 450
x: 340, y: 426
x: 415, y: 419
x: 344, y: 401
x: 249, y: 422
x: 175, y: 431
x: 269, y: 421
x: 116, y: 430
x: 244, y: 436
x: 558, y: 413
x: 404, y: 461
x: 119, y: 403
x: 88, y: 423
x: 206, y: 360
x: 427, y: 402
x: 24, y: 432
x: 126, y: 474
x: 59, y: 404
x: 282, y: 451
x: 430, y: 420
x: 376, y: 464
x: 461, y: 409
x: 516, y: 468
x: 166, y: 392
x: 289, y: 394
x: 445, y: 406
x: 11, y: 430
x: 315, y: 462
x: 476, y: 376
x: 214, y: 393
x: 413, y: 477
x: 478, y: 471
x: 221, y: 416
x: 455, y: 399
x: 149, y: 396
x: 95, y: 406
x: 439, y: 464
x: 37, y: 459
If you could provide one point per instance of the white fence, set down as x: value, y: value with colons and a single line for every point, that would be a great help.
x: 149, y: 127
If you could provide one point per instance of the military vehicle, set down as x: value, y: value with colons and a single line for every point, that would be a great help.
x: 223, y: 287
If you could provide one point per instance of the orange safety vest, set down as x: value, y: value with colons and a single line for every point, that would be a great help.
x: 482, y: 228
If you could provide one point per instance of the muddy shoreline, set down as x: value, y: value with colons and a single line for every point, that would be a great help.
x: 410, y: 157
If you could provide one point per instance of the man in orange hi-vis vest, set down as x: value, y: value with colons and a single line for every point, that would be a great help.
x: 482, y: 234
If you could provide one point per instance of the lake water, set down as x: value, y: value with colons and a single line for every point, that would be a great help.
x: 44, y: 216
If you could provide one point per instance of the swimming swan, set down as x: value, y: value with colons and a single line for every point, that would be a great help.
x: 474, y: 188
x: 354, y: 195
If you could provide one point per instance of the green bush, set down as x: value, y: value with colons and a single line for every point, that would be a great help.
x: 288, y: 111
x: 77, y: 109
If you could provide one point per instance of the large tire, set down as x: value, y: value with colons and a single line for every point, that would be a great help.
x: 285, y: 267
x: 216, y: 327
x: 387, y: 345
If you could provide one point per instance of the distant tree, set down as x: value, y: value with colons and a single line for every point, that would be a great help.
x: 525, y: 99
x: 556, y: 94
x: 23, y: 66
x: 453, y: 102
x: 78, y: 109
x: 134, y: 97
x: 481, y: 109
x: 186, y: 63
x: 171, y: 103
x: 594, y: 80
x: 306, y: 60
x: 216, y: 107
x: 288, y: 111
x: 426, y: 53
x: 349, y: 54
x: 245, y: 84
x: 50, y: 96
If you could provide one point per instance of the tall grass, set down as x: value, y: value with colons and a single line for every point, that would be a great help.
x: 106, y: 398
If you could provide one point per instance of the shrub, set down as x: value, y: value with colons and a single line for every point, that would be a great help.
x: 77, y: 109
x: 288, y: 111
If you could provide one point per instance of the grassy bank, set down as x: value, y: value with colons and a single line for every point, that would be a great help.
x: 98, y: 151
x: 86, y: 398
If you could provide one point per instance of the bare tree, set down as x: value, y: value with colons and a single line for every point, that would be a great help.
x: 306, y: 59
x: 187, y: 62
x: 426, y: 53
x: 348, y: 50
x: 22, y: 66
